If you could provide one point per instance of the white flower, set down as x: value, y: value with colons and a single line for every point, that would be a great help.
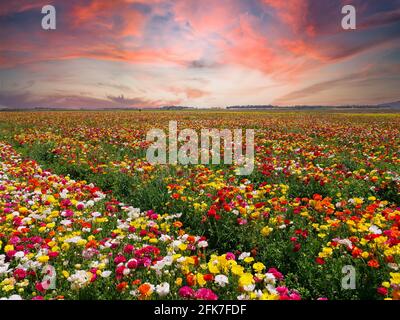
x: 375, y: 230
x: 271, y: 289
x: 269, y: 278
x: 346, y: 242
x: 90, y: 203
x: 66, y: 222
x: 244, y: 255
x: 176, y: 243
x: 19, y: 254
x: 249, y: 287
x: 13, y: 297
x: 164, y: 238
x: 202, y: 244
x: 106, y: 274
x: 96, y: 214
x: 79, y: 279
x: 221, y: 280
x: 133, y: 213
x: 4, y: 267
x: 73, y: 239
x: 162, y: 289
x: 393, y: 266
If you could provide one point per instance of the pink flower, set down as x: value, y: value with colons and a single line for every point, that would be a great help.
x: 205, y: 294
x: 230, y: 256
x: 132, y: 264
x: 295, y: 296
x: 11, y: 253
x: 129, y: 248
x: 282, y: 290
x: 186, y: 292
x: 276, y: 273
x: 15, y: 240
x: 119, y: 259
x: 80, y: 206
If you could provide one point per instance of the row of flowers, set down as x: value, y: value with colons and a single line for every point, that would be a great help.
x: 65, y: 239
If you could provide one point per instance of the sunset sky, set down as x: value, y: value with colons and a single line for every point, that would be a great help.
x: 205, y: 53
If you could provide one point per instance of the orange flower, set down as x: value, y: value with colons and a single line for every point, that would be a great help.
x: 122, y: 286
x: 145, y: 289
x: 191, y: 279
x: 373, y: 263
x: 175, y: 195
x: 178, y: 224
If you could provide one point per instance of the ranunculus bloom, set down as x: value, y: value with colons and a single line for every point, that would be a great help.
x: 382, y: 291
x: 119, y: 259
x: 186, y: 292
x: 19, y: 274
x: 132, y: 264
x: 205, y: 294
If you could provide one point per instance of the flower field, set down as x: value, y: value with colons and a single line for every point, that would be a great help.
x: 83, y: 215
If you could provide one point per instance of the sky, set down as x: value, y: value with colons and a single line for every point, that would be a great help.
x: 200, y: 53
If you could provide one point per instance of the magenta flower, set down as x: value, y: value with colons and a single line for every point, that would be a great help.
x: 186, y: 292
x: 205, y: 294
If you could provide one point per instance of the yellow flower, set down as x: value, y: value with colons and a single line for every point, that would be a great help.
x: 237, y: 270
x: 213, y: 266
x: 258, y: 267
x: 43, y: 259
x: 395, y: 277
x: 365, y: 255
x: 23, y: 210
x: 178, y: 281
x: 8, y: 287
x: 65, y: 273
x: 182, y: 246
x: 81, y: 242
x: 248, y: 259
x: 51, y: 199
x: 51, y: 225
x: 246, y: 279
x: 200, y: 280
x: 266, y: 231
x: 8, y: 247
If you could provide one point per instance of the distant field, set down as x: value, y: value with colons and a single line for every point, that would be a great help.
x: 77, y: 194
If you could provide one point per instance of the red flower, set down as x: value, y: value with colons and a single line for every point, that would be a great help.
x: 373, y: 263
x: 382, y: 291
x: 20, y: 274
x: 39, y: 287
x: 119, y: 258
x: 208, y: 277
x: 297, y: 247
x: 122, y: 286
x: 320, y: 261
